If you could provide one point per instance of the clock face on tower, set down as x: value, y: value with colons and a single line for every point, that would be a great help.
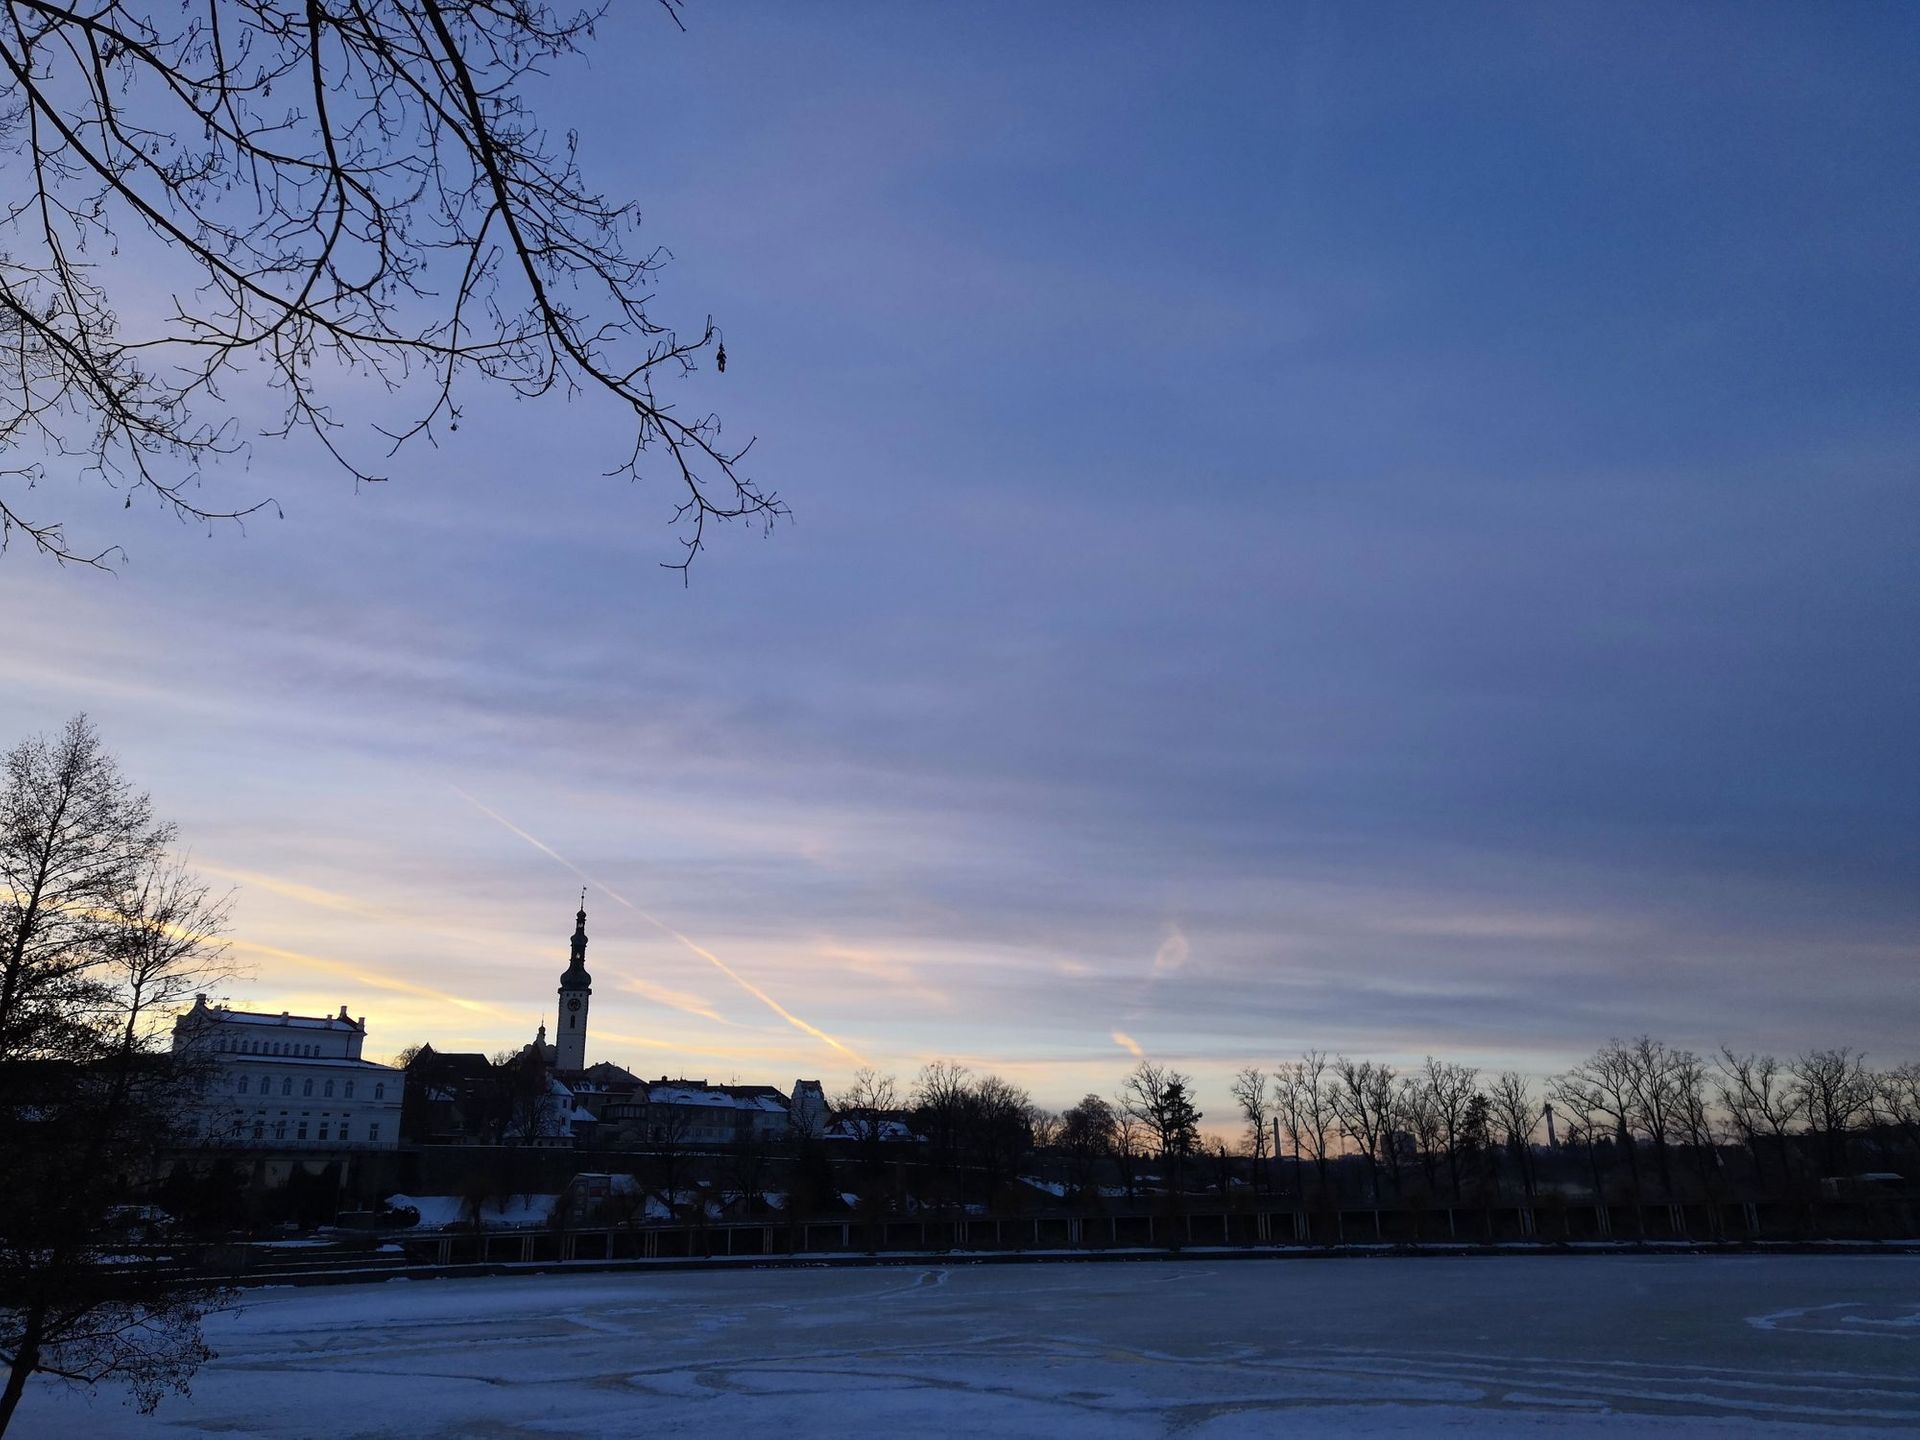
x: 574, y: 1003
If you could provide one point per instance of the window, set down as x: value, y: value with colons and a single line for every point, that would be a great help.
x: 373, y: 1131
x: 348, y: 1092
x: 343, y: 1129
x: 280, y: 1129
x: 259, y: 1130
x: 323, y: 1129
x: 301, y: 1132
x: 380, y: 1091
x: 329, y: 1089
x: 266, y: 1084
x: 306, y: 1087
x: 243, y: 1084
x: 286, y: 1085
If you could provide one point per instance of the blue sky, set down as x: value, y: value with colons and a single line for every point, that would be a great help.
x: 1386, y: 529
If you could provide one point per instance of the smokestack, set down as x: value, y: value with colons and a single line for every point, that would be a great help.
x: 1553, y: 1141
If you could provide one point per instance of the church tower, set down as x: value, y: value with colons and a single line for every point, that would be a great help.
x: 576, y: 993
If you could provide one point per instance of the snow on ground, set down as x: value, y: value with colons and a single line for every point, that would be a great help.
x: 1583, y: 1346
x: 439, y: 1211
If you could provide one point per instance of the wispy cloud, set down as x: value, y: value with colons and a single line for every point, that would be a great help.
x: 705, y: 954
x: 1172, y: 954
x: 682, y: 1000
x: 285, y: 961
x: 1127, y: 1043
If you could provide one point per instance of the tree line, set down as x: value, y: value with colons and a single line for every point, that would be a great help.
x: 1639, y: 1120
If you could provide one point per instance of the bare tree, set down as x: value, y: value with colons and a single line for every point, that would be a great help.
x: 864, y: 1107
x: 1693, y: 1119
x: 1754, y: 1091
x: 1898, y: 1098
x: 940, y: 1097
x: 1450, y: 1088
x: 1128, y: 1141
x: 1046, y: 1127
x: 1652, y: 1074
x: 331, y: 191
x: 1834, y: 1091
x: 1161, y: 1100
x: 998, y: 1129
x: 1250, y: 1094
x: 1603, y: 1084
x: 1586, y: 1116
x: 100, y: 932
x: 1362, y: 1100
x: 1517, y: 1113
x: 1303, y: 1090
x: 1421, y: 1115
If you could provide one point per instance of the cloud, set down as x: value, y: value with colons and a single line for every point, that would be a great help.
x: 682, y: 1000
x: 1127, y: 1043
x: 1172, y: 954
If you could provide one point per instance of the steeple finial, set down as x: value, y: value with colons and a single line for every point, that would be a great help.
x: 576, y: 975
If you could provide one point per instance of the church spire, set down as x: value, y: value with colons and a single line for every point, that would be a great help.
x: 576, y: 996
x: 576, y: 977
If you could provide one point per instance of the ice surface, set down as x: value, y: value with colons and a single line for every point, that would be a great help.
x: 1582, y: 1345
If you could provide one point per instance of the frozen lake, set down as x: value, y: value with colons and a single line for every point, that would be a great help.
x: 1614, y: 1345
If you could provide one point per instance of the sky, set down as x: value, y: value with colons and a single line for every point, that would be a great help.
x: 1384, y: 529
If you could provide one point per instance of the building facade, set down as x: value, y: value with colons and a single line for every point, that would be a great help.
x: 290, y: 1081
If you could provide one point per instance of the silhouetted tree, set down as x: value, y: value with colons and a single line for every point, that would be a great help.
x: 1449, y: 1088
x: 1653, y: 1072
x: 864, y: 1107
x: 1517, y: 1113
x: 1161, y: 1100
x: 1302, y: 1089
x: 1603, y: 1084
x: 100, y: 933
x: 1756, y: 1093
x: 1362, y: 1100
x: 1250, y: 1094
x: 997, y: 1129
x: 324, y: 193
x: 1834, y: 1092
x: 939, y: 1100
x: 1088, y: 1133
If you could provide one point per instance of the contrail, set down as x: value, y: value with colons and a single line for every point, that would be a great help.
x: 705, y: 954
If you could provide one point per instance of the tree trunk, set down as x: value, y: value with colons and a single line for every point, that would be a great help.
x: 25, y: 1359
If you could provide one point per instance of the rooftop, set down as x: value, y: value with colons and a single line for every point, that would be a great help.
x: 225, y: 1016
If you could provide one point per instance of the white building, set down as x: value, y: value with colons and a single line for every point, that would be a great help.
x: 291, y: 1081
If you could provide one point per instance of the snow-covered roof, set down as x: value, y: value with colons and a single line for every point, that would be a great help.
x: 225, y: 1016
x: 717, y: 1098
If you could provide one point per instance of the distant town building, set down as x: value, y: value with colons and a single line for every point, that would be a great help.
x: 693, y: 1112
x: 807, y: 1111
x: 450, y: 1098
x: 290, y: 1081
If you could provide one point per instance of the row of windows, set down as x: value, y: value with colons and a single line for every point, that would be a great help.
x: 267, y: 1047
x: 300, y: 1130
x: 306, y: 1087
